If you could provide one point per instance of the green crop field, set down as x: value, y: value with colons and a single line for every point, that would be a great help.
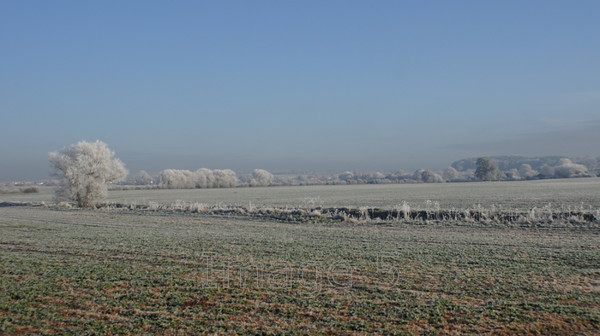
x: 166, y: 271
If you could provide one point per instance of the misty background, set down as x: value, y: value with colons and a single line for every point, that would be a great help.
x: 326, y: 86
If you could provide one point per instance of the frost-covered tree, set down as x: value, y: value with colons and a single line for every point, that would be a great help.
x: 527, y: 172
x: 513, y: 174
x: 202, y: 178
x: 84, y: 170
x: 225, y: 178
x: 427, y: 176
x: 176, y: 179
x: 565, y: 169
x: 451, y: 175
x: 568, y: 169
x: 486, y: 170
x: 261, y: 178
x: 346, y: 176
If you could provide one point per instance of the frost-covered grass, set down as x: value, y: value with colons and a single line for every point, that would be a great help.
x: 117, y: 271
x: 543, y: 203
x: 520, y: 195
x: 555, y: 203
x: 464, y: 258
x: 44, y: 194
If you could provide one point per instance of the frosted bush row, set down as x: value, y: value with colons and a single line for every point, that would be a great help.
x: 206, y: 178
x: 429, y: 212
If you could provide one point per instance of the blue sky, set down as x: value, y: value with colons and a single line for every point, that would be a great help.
x: 297, y: 85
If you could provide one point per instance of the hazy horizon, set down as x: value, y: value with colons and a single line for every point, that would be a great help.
x: 310, y: 86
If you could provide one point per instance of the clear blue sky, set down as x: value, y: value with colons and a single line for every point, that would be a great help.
x: 297, y: 85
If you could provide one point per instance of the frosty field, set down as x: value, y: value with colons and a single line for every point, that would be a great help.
x: 140, y: 271
x: 570, y: 192
x: 521, y: 195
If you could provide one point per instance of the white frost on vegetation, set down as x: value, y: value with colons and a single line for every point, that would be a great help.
x: 427, y: 176
x: 84, y: 170
x: 565, y: 169
x: 427, y: 212
x: 453, y: 175
x: 261, y: 178
x: 202, y: 178
x: 526, y: 172
x: 568, y: 169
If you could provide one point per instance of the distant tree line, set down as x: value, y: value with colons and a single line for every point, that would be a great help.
x: 84, y: 170
x: 29, y: 190
x: 201, y: 178
x: 513, y: 168
x: 206, y: 178
x: 480, y: 169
